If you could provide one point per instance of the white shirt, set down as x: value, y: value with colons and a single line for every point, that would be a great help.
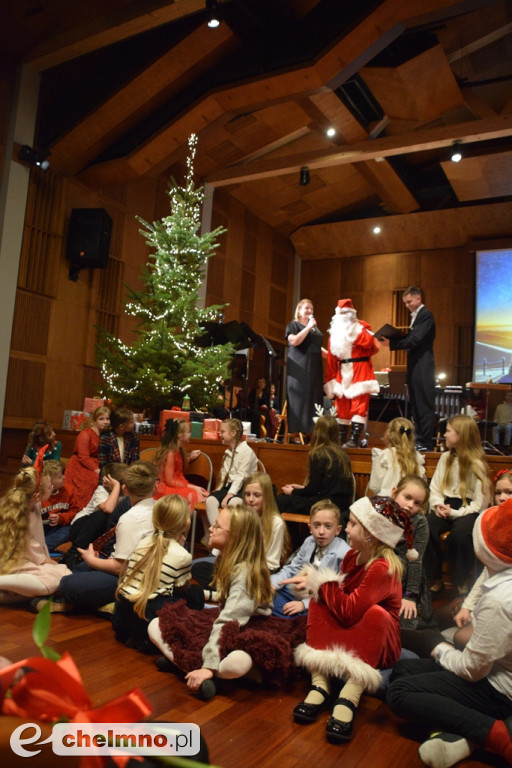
x: 414, y: 315
x: 132, y: 527
x: 474, y: 490
x: 489, y: 650
x: 244, y: 464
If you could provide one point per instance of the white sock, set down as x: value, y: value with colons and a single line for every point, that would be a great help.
x: 444, y: 750
x: 156, y: 638
x: 212, y: 509
x: 236, y: 664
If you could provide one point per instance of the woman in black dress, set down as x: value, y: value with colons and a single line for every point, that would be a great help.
x: 304, y: 374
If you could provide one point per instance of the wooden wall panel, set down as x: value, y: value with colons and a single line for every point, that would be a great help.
x: 25, y: 387
x: 31, y: 322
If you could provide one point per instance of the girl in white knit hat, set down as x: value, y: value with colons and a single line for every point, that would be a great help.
x: 353, y: 623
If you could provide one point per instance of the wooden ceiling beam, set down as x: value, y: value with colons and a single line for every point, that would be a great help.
x: 140, y: 16
x: 157, y: 84
x: 370, y: 35
x: 388, y: 185
x: 416, y: 141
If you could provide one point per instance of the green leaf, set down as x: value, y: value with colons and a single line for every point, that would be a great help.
x: 41, y: 625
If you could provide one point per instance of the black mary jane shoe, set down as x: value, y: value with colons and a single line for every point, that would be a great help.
x: 336, y: 730
x: 163, y: 664
x: 308, y: 713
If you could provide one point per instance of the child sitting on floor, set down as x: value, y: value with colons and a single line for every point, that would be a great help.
x: 26, y: 569
x: 59, y: 510
x: 324, y: 549
x: 157, y: 569
x: 353, y: 622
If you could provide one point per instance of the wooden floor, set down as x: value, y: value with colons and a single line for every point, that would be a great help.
x: 244, y: 726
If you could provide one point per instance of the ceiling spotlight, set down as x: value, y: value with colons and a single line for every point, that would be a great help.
x: 456, y: 153
x: 331, y: 132
x: 304, y: 176
x: 212, y: 11
x: 376, y: 230
x: 35, y: 157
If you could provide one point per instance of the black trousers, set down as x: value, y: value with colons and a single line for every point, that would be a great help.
x: 459, y: 547
x: 421, y: 691
x: 421, y: 387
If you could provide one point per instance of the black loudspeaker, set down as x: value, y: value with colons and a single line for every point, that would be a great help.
x: 89, y: 238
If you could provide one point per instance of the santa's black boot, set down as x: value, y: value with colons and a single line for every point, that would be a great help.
x: 355, y: 434
x: 343, y: 433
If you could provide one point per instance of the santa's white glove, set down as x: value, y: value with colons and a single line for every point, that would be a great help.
x: 329, y: 388
x: 337, y: 389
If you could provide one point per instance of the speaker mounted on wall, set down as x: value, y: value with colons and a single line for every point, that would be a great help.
x: 88, y: 240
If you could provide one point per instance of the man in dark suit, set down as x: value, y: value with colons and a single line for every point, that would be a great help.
x: 419, y: 345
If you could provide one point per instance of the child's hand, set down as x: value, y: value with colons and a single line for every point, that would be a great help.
x: 89, y: 555
x: 25, y: 460
x: 198, y: 676
x: 443, y: 510
x: 110, y: 483
x: 53, y: 518
x: 226, y: 499
x: 408, y: 609
x: 287, y: 489
x: 301, y: 582
x: 462, y: 618
x: 193, y: 455
x: 293, y: 607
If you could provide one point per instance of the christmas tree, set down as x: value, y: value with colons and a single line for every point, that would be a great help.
x: 165, y: 363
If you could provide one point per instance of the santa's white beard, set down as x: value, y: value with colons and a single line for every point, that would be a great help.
x: 344, y: 330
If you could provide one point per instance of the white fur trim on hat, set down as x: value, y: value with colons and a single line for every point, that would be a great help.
x: 316, y: 577
x: 338, y: 662
x: 383, y: 530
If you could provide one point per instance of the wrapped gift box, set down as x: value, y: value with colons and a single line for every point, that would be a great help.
x: 164, y: 415
x: 212, y: 425
x: 73, y: 419
x: 91, y: 403
x: 210, y: 435
x: 196, y: 429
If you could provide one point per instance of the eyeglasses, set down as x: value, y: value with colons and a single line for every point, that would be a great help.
x: 217, y: 527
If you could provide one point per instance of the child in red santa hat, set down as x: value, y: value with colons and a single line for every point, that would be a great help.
x: 467, y: 695
x: 349, y: 375
x: 353, y: 625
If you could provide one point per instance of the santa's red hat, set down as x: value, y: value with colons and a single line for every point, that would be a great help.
x: 344, y: 304
x: 492, y: 536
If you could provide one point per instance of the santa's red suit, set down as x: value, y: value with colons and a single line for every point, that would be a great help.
x: 349, y: 375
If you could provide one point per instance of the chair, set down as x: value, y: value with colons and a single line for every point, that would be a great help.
x: 282, y: 418
x: 203, y: 470
x: 148, y: 454
x: 261, y: 467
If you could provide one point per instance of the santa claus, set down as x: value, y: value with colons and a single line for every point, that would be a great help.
x: 349, y: 376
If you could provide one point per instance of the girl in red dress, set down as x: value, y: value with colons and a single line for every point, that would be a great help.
x: 83, y: 468
x: 353, y: 625
x: 172, y: 460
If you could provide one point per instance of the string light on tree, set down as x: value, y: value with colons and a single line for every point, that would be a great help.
x: 165, y: 362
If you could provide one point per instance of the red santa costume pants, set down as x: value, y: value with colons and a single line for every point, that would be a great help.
x: 353, y: 409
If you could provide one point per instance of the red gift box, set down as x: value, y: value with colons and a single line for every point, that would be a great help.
x: 164, y: 415
x: 91, y: 403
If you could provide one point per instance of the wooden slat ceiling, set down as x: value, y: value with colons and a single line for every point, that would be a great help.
x: 124, y: 83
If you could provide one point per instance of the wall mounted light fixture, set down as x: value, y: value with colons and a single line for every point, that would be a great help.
x: 35, y: 157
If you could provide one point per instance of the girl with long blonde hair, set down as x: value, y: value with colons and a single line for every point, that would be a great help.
x: 241, y: 580
x: 172, y: 461
x: 459, y: 490
x: 156, y: 572
x: 26, y: 569
x: 259, y: 495
x: 238, y: 463
x: 398, y: 459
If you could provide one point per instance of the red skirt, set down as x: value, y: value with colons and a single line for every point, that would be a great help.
x: 269, y: 640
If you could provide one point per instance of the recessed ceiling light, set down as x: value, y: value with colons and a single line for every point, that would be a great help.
x: 331, y: 132
x: 376, y: 230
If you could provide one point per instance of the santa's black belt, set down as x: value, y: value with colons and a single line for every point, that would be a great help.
x: 356, y: 360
